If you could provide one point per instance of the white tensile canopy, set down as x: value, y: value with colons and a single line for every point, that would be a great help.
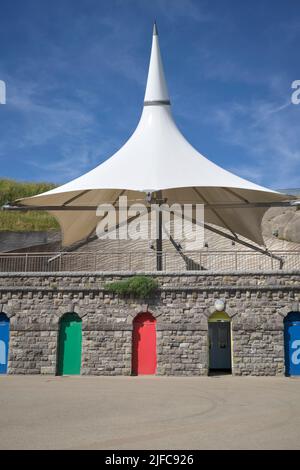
x: 158, y: 159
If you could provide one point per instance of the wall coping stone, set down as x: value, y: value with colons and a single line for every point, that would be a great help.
x: 160, y: 289
x: 151, y: 273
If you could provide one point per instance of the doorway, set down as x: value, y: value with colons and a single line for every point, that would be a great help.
x: 219, y: 336
x: 292, y: 343
x: 4, y: 342
x: 144, y: 344
x: 69, y: 345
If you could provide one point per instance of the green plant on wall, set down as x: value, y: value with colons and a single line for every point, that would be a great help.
x: 138, y: 286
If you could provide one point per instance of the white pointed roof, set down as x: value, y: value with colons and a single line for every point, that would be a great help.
x: 156, y: 88
x: 157, y: 157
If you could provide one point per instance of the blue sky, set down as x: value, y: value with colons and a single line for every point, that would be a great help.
x: 76, y: 70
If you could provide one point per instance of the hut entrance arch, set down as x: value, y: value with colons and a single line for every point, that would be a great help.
x: 69, y: 345
x: 144, y: 344
x: 219, y: 337
x: 4, y: 342
x: 292, y: 343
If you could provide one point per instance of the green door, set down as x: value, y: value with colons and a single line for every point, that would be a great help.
x: 69, y: 348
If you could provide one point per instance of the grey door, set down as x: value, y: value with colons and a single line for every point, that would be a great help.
x: 219, y: 345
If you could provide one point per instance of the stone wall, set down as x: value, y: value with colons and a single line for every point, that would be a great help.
x: 256, y: 302
x: 30, y: 241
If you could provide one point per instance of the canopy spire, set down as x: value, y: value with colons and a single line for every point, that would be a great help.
x: 156, y: 89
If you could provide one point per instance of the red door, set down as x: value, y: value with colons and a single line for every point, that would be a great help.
x: 144, y: 344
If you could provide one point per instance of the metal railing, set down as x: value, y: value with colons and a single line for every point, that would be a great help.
x: 114, y: 261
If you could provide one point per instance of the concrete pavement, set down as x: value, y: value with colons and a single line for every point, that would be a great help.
x: 220, y: 412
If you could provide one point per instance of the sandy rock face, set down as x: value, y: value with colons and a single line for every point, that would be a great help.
x: 282, y: 223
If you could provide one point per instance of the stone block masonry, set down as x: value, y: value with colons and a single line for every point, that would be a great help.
x: 257, y: 304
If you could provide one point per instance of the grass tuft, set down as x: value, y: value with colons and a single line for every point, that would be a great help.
x: 11, y: 190
x: 138, y: 286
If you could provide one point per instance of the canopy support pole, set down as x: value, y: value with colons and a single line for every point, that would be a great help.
x: 159, y: 258
x: 190, y: 264
x: 159, y: 244
x: 215, y: 212
x: 247, y: 244
x: 235, y: 239
x: 229, y: 205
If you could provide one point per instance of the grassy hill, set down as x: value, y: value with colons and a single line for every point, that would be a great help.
x: 11, y: 190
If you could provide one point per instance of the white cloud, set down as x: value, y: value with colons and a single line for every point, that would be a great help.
x: 73, y: 160
x: 67, y: 127
x: 268, y: 134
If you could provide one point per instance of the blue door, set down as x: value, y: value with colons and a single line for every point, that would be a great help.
x: 4, y: 342
x: 292, y: 343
